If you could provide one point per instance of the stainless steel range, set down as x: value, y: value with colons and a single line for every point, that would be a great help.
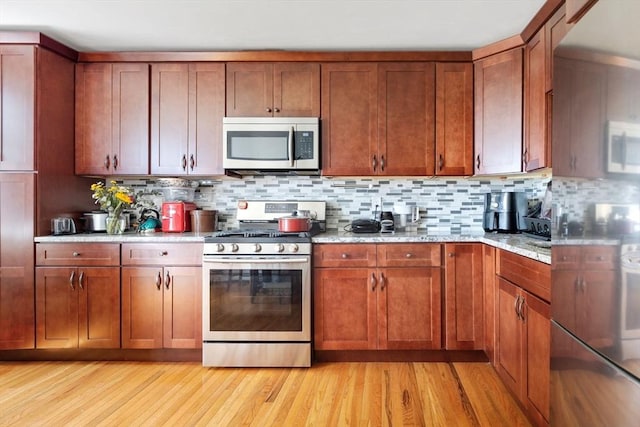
x: 257, y: 288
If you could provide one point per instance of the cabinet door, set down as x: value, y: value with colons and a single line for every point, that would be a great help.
x: 623, y: 94
x: 130, y: 135
x: 169, y: 118
x: 249, y: 89
x: 536, y: 145
x: 56, y: 307
x: 296, y: 89
x: 142, y: 307
x: 498, y: 113
x: 349, y: 119
x: 98, y: 290
x: 409, y: 308
x: 406, y: 98
x: 509, y: 345
x: 454, y: 119
x: 596, y: 300
x: 345, y: 315
x: 537, y: 349
x: 464, y: 308
x: 16, y: 260
x: 182, y: 312
x: 206, y: 110
x: 17, y: 107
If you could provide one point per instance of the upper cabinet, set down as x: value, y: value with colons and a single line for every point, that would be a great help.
x: 454, y: 119
x: 281, y: 89
x: 187, y: 107
x: 623, y: 94
x: 17, y: 106
x: 537, y: 148
x: 396, y: 119
x: 498, y: 112
x: 112, y: 119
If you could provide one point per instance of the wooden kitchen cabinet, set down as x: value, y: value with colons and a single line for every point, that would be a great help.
x: 17, y: 101
x: 77, y: 295
x: 536, y: 153
x: 454, y: 119
x: 464, y: 296
x: 112, y: 119
x: 161, y: 295
x: 187, y: 107
x: 585, y: 277
x: 392, y: 292
x: 498, y: 113
x: 17, y: 317
x: 623, y: 94
x: 281, y: 89
x: 523, y: 333
x: 580, y: 106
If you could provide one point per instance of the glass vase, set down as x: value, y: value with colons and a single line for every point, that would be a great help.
x: 115, y: 224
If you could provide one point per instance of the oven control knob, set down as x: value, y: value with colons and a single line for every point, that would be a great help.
x: 234, y: 248
x: 279, y: 247
x: 220, y: 247
x: 257, y: 247
x: 294, y: 248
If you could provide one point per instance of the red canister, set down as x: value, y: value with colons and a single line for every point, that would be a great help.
x: 176, y: 216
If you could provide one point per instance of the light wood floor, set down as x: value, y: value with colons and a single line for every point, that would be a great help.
x: 186, y: 394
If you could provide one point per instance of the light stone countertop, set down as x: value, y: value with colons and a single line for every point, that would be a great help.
x: 516, y: 243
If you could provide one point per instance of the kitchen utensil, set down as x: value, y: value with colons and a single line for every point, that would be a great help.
x: 204, y: 220
x: 95, y: 221
x: 295, y: 223
x: 386, y: 222
x: 63, y: 225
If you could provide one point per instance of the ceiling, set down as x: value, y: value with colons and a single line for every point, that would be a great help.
x: 223, y: 25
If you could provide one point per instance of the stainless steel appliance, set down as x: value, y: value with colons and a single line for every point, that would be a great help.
x: 595, y: 302
x: 63, y: 225
x: 257, y: 288
x: 504, y: 212
x: 271, y: 145
x: 623, y: 147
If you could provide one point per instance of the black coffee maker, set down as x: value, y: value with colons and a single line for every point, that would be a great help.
x: 505, y: 211
x: 387, y: 224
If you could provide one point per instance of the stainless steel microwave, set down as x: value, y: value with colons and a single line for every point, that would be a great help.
x: 271, y: 144
x: 623, y: 147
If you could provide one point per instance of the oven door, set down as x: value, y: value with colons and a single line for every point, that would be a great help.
x: 256, y: 298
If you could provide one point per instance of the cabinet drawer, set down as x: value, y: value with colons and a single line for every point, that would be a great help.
x: 600, y: 257
x: 161, y: 254
x: 565, y: 257
x: 344, y: 255
x: 409, y: 255
x: 72, y: 254
x: 529, y: 274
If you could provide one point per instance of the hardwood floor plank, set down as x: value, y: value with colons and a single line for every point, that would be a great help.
x: 186, y: 394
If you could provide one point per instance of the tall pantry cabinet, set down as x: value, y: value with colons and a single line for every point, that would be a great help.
x: 36, y: 169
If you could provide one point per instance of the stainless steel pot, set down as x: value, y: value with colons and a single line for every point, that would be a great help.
x: 95, y: 221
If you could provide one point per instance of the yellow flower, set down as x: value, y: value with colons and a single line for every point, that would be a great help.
x: 114, y: 198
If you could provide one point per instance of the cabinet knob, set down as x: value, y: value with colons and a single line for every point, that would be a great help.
x: 268, y: 110
x: 76, y: 254
x: 164, y: 253
x: 276, y: 110
x: 345, y: 256
x: 409, y: 255
x: 451, y: 254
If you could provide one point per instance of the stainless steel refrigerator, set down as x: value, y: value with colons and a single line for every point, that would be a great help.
x: 595, y: 303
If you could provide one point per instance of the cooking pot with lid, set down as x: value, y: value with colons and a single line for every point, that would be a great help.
x: 295, y: 223
x: 95, y: 221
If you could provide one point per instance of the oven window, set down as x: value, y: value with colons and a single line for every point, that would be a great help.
x: 630, y: 304
x: 255, y: 300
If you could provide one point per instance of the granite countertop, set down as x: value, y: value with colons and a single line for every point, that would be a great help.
x: 517, y: 243
x: 521, y: 244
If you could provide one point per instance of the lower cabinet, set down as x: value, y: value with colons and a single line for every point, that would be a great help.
x: 161, y: 296
x: 385, y: 296
x: 523, y: 335
x: 77, y: 295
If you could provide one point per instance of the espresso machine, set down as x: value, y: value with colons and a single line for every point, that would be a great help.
x: 505, y: 211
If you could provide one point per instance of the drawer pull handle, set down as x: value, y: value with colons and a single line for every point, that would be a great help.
x: 408, y: 255
x: 73, y: 275
x: 451, y: 254
x: 159, y: 281
x: 76, y: 254
x: 164, y: 253
x: 345, y: 256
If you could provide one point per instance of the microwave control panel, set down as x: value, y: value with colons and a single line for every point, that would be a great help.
x: 303, y: 145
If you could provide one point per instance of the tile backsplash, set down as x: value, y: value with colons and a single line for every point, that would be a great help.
x: 447, y: 205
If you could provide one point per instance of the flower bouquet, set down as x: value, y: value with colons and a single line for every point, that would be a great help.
x: 113, y: 199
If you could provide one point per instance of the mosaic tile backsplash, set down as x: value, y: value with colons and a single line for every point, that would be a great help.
x: 447, y: 205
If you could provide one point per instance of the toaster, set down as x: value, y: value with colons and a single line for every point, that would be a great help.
x: 176, y: 216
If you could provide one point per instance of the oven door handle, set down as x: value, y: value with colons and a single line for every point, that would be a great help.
x: 274, y: 260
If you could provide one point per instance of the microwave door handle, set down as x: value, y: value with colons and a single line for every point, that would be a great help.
x: 291, y: 154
